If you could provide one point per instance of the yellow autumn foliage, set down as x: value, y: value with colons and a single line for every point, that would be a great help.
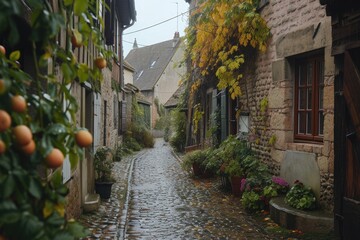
x: 223, y: 29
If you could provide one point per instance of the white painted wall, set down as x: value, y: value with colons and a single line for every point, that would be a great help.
x: 169, y: 80
x: 128, y: 76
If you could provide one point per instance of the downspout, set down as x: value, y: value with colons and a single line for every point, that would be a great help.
x: 122, y: 57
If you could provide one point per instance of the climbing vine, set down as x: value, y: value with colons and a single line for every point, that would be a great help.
x: 220, y: 31
x: 39, y: 67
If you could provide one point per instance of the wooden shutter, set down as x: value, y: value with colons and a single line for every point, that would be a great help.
x: 223, y: 115
x: 351, y: 91
x: 109, y: 23
x: 123, y: 117
x: 97, y: 120
x: 214, y: 105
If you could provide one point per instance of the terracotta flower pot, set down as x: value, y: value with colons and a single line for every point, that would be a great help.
x: 236, y: 185
x: 198, y: 171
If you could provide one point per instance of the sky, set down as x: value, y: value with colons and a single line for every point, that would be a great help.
x: 151, y: 12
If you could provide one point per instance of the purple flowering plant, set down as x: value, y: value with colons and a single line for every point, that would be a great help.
x: 281, y: 184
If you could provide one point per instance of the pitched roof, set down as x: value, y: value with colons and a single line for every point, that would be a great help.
x: 150, y: 62
x: 174, y: 100
x: 128, y: 66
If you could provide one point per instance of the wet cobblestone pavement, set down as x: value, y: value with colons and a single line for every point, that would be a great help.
x: 165, y: 203
x: 105, y: 223
x: 161, y: 201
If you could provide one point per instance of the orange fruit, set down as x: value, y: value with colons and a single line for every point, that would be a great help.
x: 100, y: 62
x: 54, y: 159
x: 29, y: 148
x: 22, y: 134
x: 2, y: 147
x: 75, y: 42
x: 83, y: 138
x: 5, y: 120
x: 18, y: 103
x: 2, y: 50
x: 2, y: 86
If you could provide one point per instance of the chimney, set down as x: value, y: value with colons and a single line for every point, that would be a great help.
x: 135, y: 45
x: 176, y: 38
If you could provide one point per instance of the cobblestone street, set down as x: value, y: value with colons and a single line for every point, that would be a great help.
x: 165, y: 203
x: 153, y: 198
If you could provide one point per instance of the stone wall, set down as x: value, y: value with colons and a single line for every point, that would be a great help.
x: 297, y: 27
x: 73, y: 200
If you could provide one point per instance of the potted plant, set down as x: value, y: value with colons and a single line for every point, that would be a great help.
x: 103, y: 162
x: 236, y: 174
x: 195, y: 160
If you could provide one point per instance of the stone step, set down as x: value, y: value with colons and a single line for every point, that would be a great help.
x: 312, y: 221
x: 92, y: 202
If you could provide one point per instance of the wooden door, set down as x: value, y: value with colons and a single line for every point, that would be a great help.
x: 347, y: 148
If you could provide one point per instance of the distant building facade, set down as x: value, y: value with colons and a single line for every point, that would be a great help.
x: 157, y: 71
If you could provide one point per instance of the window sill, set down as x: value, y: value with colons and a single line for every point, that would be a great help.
x: 306, y: 147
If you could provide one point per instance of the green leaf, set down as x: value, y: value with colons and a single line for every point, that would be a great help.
x: 56, y: 178
x: 56, y: 129
x: 68, y: 2
x: 77, y: 230
x: 45, y: 145
x: 80, y: 6
x: 74, y: 158
x: 34, y: 4
x: 30, y: 227
x: 35, y: 188
x: 55, y: 219
x: 68, y: 72
x: 8, y: 186
x: 64, y: 236
x: 14, y: 56
x: 83, y: 72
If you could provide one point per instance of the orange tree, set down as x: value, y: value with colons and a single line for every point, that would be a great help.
x: 219, y: 36
x: 37, y: 111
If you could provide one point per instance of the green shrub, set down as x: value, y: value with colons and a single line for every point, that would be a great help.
x: 148, y: 140
x: 179, y: 139
x: 197, y: 156
x: 103, y: 162
x: 234, y: 168
x: 118, y: 153
x: 214, y: 161
x: 132, y: 144
x: 142, y: 136
x: 167, y: 134
x: 301, y: 197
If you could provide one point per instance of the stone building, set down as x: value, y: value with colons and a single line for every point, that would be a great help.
x: 293, y: 84
x: 100, y: 112
x: 157, y: 72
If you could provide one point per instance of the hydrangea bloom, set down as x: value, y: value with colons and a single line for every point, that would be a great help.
x: 243, y: 184
x: 280, y: 181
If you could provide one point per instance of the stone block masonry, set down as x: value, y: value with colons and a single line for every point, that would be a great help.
x: 298, y: 28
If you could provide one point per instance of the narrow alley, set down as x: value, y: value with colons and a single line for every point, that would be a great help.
x: 153, y: 198
x: 165, y: 203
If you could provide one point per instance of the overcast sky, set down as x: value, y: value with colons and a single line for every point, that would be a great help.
x: 151, y: 12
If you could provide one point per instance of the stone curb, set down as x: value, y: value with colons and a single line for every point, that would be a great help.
x: 108, y: 221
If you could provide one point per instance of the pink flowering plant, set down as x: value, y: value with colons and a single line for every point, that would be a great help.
x: 257, y: 191
x: 280, y: 184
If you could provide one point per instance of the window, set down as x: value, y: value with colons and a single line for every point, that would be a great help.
x: 309, y: 91
x: 152, y: 64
